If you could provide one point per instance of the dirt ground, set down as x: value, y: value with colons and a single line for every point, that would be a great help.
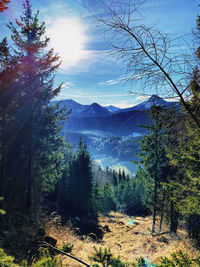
x: 127, y: 237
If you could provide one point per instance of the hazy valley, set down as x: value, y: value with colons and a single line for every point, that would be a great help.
x: 111, y: 134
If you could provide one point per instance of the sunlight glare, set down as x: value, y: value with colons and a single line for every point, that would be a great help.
x: 67, y: 37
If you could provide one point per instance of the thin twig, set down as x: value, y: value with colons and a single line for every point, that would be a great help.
x: 64, y: 253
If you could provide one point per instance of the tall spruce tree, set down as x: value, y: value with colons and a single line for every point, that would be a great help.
x: 9, y: 93
x: 174, y: 132
x: 81, y: 182
x: 3, y: 5
x: 186, y: 157
x: 35, y: 158
x: 154, y: 157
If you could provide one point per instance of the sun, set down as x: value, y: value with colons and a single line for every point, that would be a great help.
x: 68, y: 38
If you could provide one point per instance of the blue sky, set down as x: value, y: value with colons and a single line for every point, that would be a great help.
x: 88, y: 75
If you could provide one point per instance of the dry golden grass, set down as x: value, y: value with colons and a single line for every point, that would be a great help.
x: 128, y: 241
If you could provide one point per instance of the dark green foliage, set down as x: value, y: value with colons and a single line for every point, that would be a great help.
x: 155, y: 161
x: 140, y: 262
x: 66, y: 247
x: 29, y: 133
x: 129, y: 196
x: 44, y: 260
x: 5, y: 260
x: 61, y: 195
x: 122, y: 193
x: 104, y: 198
x: 74, y: 192
x: 106, y: 258
x: 179, y: 259
x: 81, y: 181
x: 2, y: 212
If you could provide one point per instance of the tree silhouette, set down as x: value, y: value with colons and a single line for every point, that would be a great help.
x: 3, y: 5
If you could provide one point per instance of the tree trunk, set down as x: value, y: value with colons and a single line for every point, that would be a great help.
x: 2, y: 171
x: 162, y: 211
x: 154, y: 207
x: 30, y: 186
x: 155, y: 186
x: 173, y: 219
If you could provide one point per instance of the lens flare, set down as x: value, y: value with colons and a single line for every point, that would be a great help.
x: 67, y: 37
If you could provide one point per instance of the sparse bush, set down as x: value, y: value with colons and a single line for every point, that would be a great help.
x: 141, y: 262
x: 106, y: 258
x: 2, y: 212
x: 45, y: 260
x: 5, y: 260
x: 179, y: 259
x: 66, y: 247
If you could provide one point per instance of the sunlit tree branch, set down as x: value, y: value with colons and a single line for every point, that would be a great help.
x: 163, y: 63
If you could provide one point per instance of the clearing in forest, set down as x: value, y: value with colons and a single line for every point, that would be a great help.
x: 127, y: 237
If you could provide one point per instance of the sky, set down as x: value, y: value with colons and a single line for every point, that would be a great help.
x: 88, y: 74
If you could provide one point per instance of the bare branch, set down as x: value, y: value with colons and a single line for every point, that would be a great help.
x: 64, y: 253
x: 144, y: 51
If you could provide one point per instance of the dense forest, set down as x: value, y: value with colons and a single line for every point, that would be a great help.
x: 41, y: 174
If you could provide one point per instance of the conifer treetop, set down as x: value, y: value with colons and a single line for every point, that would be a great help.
x: 3, y: 5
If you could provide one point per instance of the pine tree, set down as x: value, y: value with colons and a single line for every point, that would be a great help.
x: 9, y: 94
x: 3, y: 5
x: 61, y: 194
x: 109, y: 203
x: 35, y: 149
x: 154, y: 157
x: 186, y: 158
x: 81, y: 182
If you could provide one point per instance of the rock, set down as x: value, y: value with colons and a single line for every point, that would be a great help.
x: 163, y: 239
x: 106, y: 228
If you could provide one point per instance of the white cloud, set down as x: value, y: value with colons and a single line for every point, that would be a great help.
x: 121, y: 104
x: 121, y: 79
x: 142, y: 98
x: 172, y: 99
x: 67, y: 85
x: 109, y: 82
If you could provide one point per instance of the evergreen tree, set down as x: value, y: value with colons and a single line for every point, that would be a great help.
x: 3, y: 5
x: 34, y: 155
x: 154, y: 157
x: 81, y: 182
x: 62, y: 191
x: 8, y: 106
x: 109, y: 203
x: 115, y: 178
x: 186, y: 157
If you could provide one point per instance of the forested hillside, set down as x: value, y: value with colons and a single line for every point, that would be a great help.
x: 45, y: 181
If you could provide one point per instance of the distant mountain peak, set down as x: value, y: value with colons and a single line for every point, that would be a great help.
x: 112, y: 108
x: 154, y: 100
x: 155, y: 97
x: 95, y: 110
x: 147, y: 104
x: 95, y: 104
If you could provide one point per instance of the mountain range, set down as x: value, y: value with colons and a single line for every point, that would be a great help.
x: 111, y: 133
x: 96, y: 110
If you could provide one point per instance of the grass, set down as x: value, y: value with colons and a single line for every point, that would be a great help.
x: 129, y: 241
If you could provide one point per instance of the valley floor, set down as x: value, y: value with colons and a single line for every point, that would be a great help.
x: 127, y: 237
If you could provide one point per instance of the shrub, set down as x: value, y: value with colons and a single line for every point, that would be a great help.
x: 5, y: 260
x: 66, y: 247
x: 179, y: 259
x: 106, y: 258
